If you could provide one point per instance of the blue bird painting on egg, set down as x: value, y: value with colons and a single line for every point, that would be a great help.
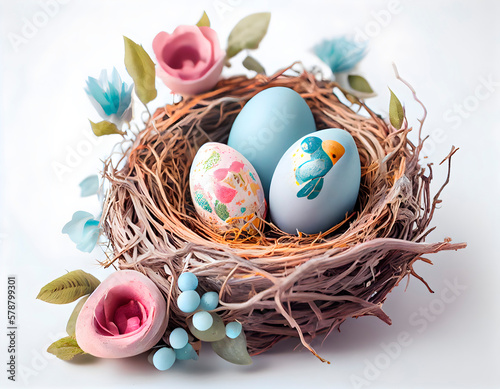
x: 324, y: 154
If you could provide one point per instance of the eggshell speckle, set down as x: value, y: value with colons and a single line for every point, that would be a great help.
x: 226, y: 189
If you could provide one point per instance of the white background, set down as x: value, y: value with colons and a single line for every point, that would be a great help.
x: 446, y: 49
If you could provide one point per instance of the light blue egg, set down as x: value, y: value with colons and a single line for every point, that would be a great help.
x: 202, y: 320
x: 188, y: 301
x: 164, y: 358
x: 316, y: 182
x: 269, y: 123
x: 187, y: 281
x: 185, y: 353
x: 233, y: 329
x: 178, y: 338
x: 209, y: 301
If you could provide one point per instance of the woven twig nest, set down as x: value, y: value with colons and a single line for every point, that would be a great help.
x: 277, y: 285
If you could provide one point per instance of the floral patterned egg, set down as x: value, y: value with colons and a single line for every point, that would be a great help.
x: 226, y: 189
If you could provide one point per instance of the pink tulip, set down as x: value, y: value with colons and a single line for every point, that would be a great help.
x: 190, y: 59
x: 124, y: 316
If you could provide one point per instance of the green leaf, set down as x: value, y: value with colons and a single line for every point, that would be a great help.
x: 248, y: 33
x: 70, y: 327
x: 233, y: 350
x: 68, y: 288
x: 105, y: 128
x: 359, y: 83
x: 396, y: 112
x: 65, y: 348
x: 204, y: 21
x: 142, y: 70
x: 252, y: 64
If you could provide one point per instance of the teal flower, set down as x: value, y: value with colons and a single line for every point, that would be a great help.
x: 340, y: 54
x: 112, y: 98
x: 89, y: 186
x: 83, y: 230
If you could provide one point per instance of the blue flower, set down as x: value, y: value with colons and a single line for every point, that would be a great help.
x: 111, y: 98
x: 340, y: 54
x: 83, y: 230
x: 89, y: 186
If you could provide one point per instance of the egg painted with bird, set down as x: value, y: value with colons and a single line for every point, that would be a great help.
x: 269, y: 123
x: 226, y: 189
x: 316, y: 182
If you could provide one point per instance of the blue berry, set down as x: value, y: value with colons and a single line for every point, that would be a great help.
x: 202, y: 320
x: 178, y: 338
x: 233, y: 329
x: 209, y: 301
x: 187, y: 281
x: 185, y: 353
x: 188, y: 301
x: 164, y: 358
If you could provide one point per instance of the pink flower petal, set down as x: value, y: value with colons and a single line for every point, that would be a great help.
x: 192, y: 87
x: 101, y: 325
x: 112, y: 328
x: 125, y: 313
x: 188, y: 56
x: 211, y: 35
x: 186, y: 53
x: 121, y: 317
x: 97, y: 333
x: 132, y: 324
x: 118, y: 296
x: 143, y: 315
x: 190, y: 59
x: 159, y: 42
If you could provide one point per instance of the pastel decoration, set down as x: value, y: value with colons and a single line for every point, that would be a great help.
x: 111, y: 97
x: 178, y: 338
x: 225, y: 188
x: 269, y: 123
x: 124, y: 316
x: 187, y: 281
x: 188, y: 301
x: 316, y: 182
x: 190, y: 59
x: 164, y: 358
x: 209, y: 301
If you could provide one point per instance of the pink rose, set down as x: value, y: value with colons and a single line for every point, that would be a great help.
x: 124, y: 316
x: 190, y: 59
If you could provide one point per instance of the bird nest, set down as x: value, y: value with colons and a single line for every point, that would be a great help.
x: 275, y: 284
